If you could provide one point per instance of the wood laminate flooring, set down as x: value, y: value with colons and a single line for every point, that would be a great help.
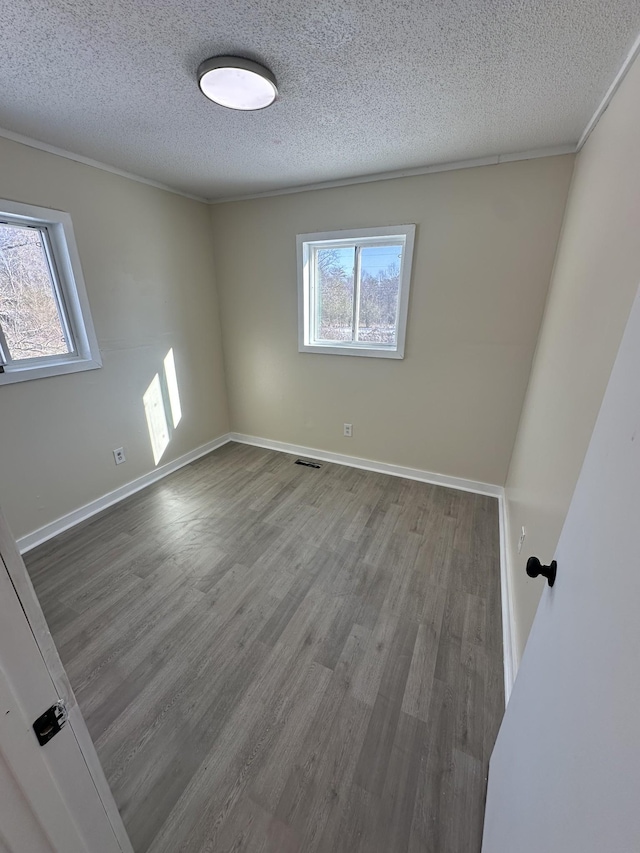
x: 283, y: 659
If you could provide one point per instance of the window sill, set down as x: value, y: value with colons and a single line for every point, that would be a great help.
x: 41, y: 371
x: 368, y: 352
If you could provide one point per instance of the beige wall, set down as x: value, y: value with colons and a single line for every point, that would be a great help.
x: 148, y: 266
x: 596, y: 276
x: 485, y: 244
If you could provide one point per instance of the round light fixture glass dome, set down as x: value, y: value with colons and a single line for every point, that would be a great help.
x: 237, y: 83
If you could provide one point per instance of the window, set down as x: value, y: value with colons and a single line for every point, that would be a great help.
x: 45, y: 324
x: 353, y: 291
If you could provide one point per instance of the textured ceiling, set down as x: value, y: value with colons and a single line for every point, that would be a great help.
x: 366, y: 86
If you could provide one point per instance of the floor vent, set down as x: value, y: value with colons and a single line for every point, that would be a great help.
x: 308, y: 463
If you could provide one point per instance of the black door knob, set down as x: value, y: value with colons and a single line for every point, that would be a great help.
x: 535, y: 568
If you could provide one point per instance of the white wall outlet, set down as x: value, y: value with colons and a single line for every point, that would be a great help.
x: 348, y: 430
x: 118, y: 455
x: 523, y: 533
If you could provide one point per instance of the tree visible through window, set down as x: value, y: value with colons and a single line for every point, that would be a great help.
x: 372, y: 316
x: 30, y: 310
x: 334, y: 293
x: 354, y: 291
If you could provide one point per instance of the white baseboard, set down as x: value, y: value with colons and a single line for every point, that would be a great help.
x: 370, y: 465
x: 509, y: 650
x: 42, y: 534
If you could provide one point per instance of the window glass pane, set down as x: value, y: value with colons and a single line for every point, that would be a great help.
x: 379, y: 288
x: 28, y: 305
x: 334, y: 294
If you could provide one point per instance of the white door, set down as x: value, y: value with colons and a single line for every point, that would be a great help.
x: 564, y: 776
x: 52, y: 797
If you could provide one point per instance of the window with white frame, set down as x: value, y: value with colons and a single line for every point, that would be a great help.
x: 353, y: 291
x: 45, y: 323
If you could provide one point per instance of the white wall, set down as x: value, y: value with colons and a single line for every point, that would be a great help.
x: 596, y: 274
x: 485, y: 244
x: 148, y: 266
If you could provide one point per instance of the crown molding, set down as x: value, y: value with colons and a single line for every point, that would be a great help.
x: 87, y: 161
x: 342, y: 182
x: 493, y: 160
x: 613, y: 88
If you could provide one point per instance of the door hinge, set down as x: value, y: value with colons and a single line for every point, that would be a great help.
x: 49, y: 724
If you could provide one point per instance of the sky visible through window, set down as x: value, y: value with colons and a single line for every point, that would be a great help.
x: 375, y: 259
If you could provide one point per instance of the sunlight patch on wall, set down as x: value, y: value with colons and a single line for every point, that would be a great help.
x: 162, y: 407
x: 172, y: 388
x: 156, y: 418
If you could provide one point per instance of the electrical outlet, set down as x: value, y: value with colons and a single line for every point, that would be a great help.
x: 523, y: 533
x: 118, y: 455
x: 348, y: 430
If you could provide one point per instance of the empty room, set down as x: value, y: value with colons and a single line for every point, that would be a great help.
x: 319, y: 333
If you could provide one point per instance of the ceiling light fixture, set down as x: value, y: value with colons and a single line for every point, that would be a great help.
x: 237, y: 83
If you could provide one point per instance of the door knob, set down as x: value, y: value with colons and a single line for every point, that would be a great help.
x: 535, y: 568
